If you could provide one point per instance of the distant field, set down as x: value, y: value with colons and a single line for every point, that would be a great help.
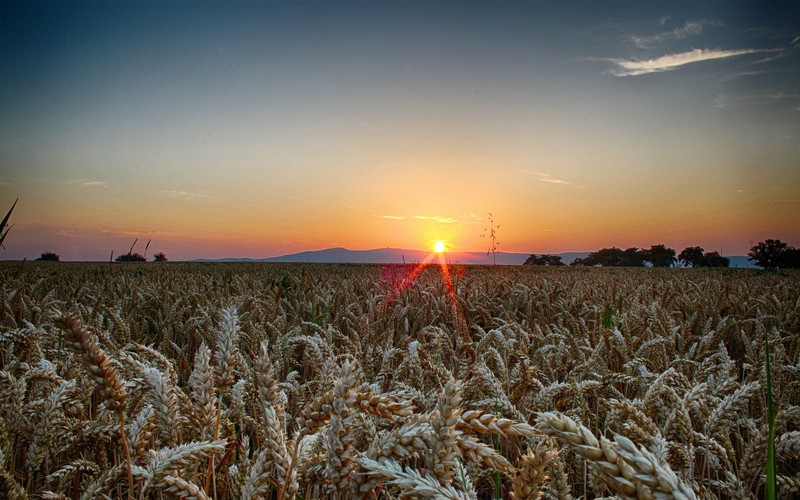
x: 253, y: 380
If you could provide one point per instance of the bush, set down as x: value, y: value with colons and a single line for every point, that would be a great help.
x: 131, y: 257
x: 50, y: 256
x: 160, y: 257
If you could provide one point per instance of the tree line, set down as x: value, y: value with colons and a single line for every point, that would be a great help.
x: 769, y: 254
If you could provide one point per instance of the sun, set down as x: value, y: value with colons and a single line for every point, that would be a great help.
x: 438, y: 247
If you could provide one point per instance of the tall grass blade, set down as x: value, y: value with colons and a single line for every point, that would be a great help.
x: 3, y: 230
x: 772, y: 482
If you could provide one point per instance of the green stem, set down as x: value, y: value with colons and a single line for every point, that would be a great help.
x: 771, y: 478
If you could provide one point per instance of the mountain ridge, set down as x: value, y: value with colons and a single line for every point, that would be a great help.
x: 389, y: 255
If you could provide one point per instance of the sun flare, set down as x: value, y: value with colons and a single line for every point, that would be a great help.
x: 438, y: 247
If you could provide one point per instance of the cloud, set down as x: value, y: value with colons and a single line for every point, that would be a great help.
x: 190, y: 196
x: 628, y: 67
x: 723, y: 101
x: 468, y: 219
x: 437, y: 218
x: 691, y: 28
x: 545, y: 177
x: 141, y: 234
x: 88, y: 183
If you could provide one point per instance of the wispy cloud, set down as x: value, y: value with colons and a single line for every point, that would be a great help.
x: 690, y: 29
x: 723, y: 101
x: 191, y: 196
x: 143, y: 235
x: 87, y: 183
x: 545, y: 177
x: 471, y: 218
x: 437, y: 218
x: 629, y: 67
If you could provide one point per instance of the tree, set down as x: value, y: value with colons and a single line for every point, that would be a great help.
x: 543, y: 260
x: 714, y: 259
x: 604, y: 257
x: 131, y: 257
x: 790, y: 258
x: 771, y: 254
x: 691, y: 256
x: 634, y: 257
x: 160, y: 257
x: 661, y: 256
x: 50, y: 256
x: 614, y: 257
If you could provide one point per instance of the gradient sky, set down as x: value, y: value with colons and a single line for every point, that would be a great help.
x: 228, y: 129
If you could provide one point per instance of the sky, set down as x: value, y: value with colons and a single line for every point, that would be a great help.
x: 256, y: 129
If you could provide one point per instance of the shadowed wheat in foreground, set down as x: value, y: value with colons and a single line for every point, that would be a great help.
x: 287, y: 381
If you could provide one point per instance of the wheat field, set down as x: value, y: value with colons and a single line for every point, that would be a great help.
x: 190, y: 380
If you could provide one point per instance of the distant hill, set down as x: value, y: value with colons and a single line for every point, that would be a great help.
x: 402, y: 255
x: 395, y: 256
x: 742, y: 261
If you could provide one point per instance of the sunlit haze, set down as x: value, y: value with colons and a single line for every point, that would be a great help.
x: 255, y: 129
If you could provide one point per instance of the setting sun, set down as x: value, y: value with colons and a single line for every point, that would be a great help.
x: 438, y: 247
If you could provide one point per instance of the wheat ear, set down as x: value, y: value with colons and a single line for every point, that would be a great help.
x: 531, y: 474
x: 101, y: 369
x: 182, y: 488
x: 628, y: 470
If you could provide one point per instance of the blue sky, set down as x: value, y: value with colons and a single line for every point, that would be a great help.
x: 254, y: 129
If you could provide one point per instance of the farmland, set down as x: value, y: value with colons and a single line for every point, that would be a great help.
x: 346, y: 381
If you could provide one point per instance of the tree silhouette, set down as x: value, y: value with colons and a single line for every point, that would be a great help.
x: 50, y: 256
x: 160, y: 257
x: 791, y: 258
x: 714, y: 259
x: 543, y: 260
x: 657, y: 255
x: 691, y: 256
x: 774, y: 254
x: 634, y: 257
x: 661, y: 256
x: 604, y: 257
